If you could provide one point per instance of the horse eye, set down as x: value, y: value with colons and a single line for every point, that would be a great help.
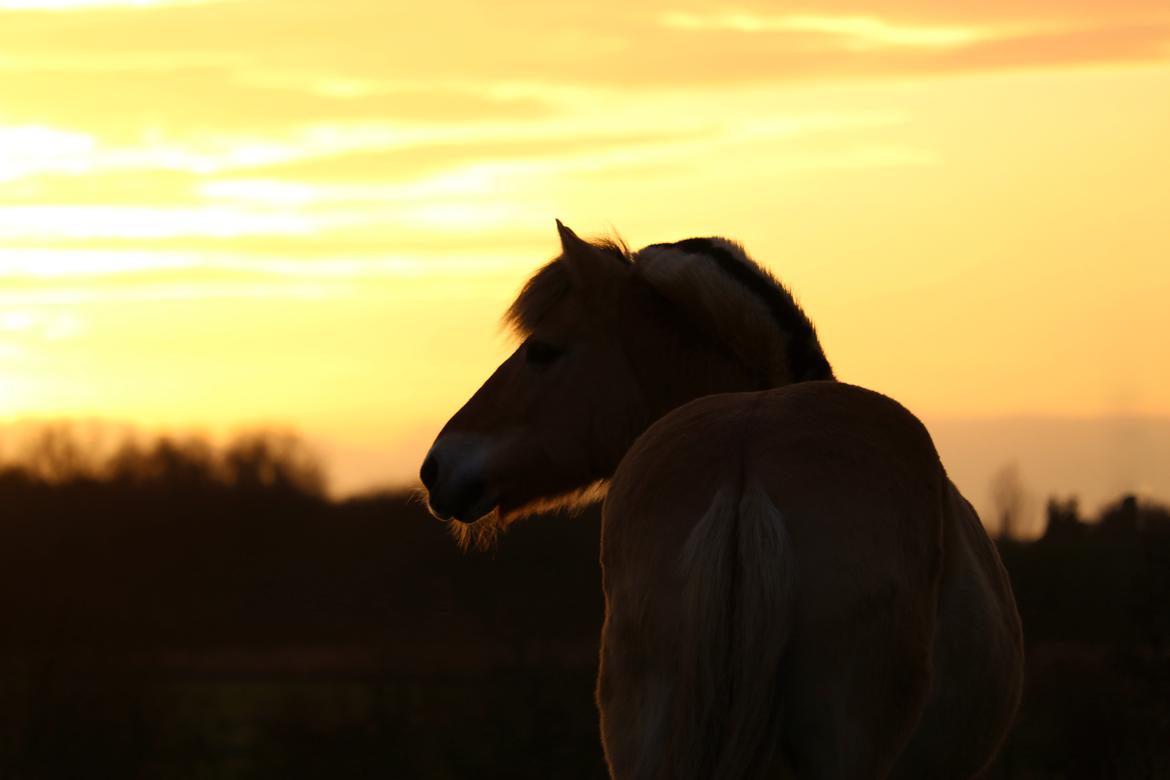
x: 541, y: 353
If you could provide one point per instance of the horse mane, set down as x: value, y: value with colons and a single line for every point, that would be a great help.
x: 550, y: 285
x: 732, y: 296
x: 719, y: 287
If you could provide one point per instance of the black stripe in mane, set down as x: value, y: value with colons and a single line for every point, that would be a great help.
x: 806, y: 359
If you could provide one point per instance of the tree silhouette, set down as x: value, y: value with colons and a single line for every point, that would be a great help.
x: 1009, y: 500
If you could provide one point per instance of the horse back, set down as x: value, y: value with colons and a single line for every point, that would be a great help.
x: 853, y: 473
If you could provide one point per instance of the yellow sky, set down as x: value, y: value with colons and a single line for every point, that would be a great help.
x: 312, y: 213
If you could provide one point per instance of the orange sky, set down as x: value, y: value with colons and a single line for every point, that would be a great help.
x: 311, y: 213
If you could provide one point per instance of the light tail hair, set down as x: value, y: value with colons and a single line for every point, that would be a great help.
x: 740, y: 574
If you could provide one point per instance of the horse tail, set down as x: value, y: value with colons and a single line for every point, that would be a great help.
x: 739, y: 597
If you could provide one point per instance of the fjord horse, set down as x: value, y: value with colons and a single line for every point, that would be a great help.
x: 793, y: 586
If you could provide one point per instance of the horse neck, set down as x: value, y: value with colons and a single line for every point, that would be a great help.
x: 681, y: 372
x: 674, y: 362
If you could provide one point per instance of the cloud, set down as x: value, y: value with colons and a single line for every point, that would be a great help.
x: 792, y: 57
x: 1129, y: 43
x: 43, y: 266
x: 327, y: 190
x: 52, y: 223
x: 121, y: 102
x: 996, y: 13
x: 408, y: 162
x: 853, y: 32
x: 41, y: 166
x: 270, y: 63
x: 36, y: 148
x: 143, y: 187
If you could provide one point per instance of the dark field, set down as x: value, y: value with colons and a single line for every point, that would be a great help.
x: 183, y: 612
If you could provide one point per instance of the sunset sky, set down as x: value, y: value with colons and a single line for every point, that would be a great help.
x: 312, y: 214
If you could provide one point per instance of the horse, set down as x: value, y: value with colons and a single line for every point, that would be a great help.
x: 793, y: 586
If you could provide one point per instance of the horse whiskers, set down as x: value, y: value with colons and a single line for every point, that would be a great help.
x: 482, y: 535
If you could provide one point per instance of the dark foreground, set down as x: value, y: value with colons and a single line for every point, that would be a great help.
x: 178, y: 622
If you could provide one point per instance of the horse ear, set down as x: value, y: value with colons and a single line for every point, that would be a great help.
x: 570, y: 241
x: 589, y: 267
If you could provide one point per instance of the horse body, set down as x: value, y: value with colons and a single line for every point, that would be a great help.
x: 859, y: 654
x: 794, y: 588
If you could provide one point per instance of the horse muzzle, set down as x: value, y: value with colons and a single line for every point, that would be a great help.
x: 454, y: 476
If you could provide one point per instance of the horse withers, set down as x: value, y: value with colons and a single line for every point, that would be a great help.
x: 793, y: 586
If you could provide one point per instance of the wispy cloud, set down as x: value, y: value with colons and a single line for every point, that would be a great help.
x: 378, y: 59
x: 56, y: 263
x: 50, y: 223
x: 45, y: 326
x: 853, y: 32
x: 392, y: 181
x: 47, y: 266
x: 122, y: 103
x: 35, y: 149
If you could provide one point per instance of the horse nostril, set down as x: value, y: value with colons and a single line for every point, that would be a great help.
x: 429, y: 472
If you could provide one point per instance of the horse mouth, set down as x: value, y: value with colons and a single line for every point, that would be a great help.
x: 476, y: 515
x: 468, y: 508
